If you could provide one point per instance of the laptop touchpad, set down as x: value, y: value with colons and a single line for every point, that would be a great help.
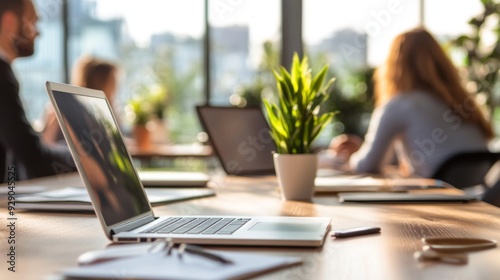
x: 288, y: 227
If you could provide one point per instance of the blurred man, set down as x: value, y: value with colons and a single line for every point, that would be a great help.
x: 21, y: 151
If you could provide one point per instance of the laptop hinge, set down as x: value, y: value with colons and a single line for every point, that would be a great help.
x: 132, y: 223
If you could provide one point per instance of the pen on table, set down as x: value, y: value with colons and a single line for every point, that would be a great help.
x: 355, y: 232
x: 201, y: 252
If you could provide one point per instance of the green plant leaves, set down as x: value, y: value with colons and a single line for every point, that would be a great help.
x: 295, y: 120
x: 139, y: 109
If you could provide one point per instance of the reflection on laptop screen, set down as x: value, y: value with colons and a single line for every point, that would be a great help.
x: 104, y: 160
x: 240, y: 137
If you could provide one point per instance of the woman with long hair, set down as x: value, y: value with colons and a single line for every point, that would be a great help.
x: 422, y: 110
x: 89, y: 72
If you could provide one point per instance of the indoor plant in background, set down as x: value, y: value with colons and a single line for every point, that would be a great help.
x: 158, y: 99
x: 296, y: 120
x: 139, y: 113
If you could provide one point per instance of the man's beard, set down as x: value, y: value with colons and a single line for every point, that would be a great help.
x: 24, y: 45
x: 25, y: 48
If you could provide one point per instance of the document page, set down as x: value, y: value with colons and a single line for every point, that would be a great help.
x: 188, y: 266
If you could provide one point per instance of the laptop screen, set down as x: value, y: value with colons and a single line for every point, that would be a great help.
x: 240, y: 137
x: 104, y: 160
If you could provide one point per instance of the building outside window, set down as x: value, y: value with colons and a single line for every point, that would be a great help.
x: 245, y: 38
x: 161, y: 43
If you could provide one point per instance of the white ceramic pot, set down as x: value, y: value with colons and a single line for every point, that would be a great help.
x: 296, y: 174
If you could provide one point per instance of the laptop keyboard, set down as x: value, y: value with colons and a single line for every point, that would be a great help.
x: 200, y: 225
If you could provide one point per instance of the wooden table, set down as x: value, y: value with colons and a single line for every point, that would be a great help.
x: 49, y: 242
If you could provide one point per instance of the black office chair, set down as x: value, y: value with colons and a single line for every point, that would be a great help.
x: 492, y: 195
x: 468, y: 169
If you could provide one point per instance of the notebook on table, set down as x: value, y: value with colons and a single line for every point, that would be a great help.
x: 240, y: 138
x: 77, y: 198
x: 144, y: 261
x: 361, y: 183
x: 118, y: 197
x: 405, y: 198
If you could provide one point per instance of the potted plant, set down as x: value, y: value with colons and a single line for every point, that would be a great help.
x: 139, y: 113
x: 158, y: 98
x: 295, y: 121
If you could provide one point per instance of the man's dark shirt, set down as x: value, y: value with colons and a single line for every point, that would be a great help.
x: 20, y: 145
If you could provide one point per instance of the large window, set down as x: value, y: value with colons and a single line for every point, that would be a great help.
x: 456, y: 22
x: 356, y: 33
x: 158, y: 44
x: 244, y: 42
x: 161, y: 43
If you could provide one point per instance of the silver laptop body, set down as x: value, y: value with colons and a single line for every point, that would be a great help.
x: 118, y: 197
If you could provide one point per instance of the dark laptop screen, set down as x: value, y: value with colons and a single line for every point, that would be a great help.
x: 240, y: 137
x: 103, y: 157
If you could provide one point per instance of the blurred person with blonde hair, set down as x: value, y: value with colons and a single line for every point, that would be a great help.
x: 422, y: 111
x: 88, y: 72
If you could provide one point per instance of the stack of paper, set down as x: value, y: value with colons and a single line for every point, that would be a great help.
x: 136, y: 263
x: 77, y: 199
x: 354, y: 183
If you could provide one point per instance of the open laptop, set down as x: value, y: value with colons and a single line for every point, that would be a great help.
x: 118, y: 197
x: 240, y: 137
